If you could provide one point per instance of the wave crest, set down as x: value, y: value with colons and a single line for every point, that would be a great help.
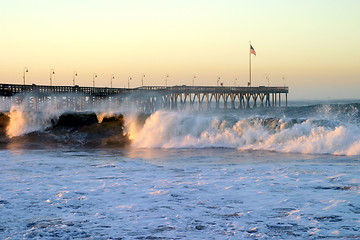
x: 180, y: 130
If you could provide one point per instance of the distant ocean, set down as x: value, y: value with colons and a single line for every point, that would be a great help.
x: 265, y: 173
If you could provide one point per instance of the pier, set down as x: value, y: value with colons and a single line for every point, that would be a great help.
x: 144, y: 99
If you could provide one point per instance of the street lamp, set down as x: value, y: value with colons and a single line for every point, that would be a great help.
x: 267, y: 78
x: 25, y: 71
x: 111, y: 80
x: 166, y: 79
x: 74, y: 75
x: 235, y: 82
x: 51, y: 74
x: 218, y: 81
x: 193, y: 80
x: 142, y: 80
x: 94, y: 76
x: 129, y: 79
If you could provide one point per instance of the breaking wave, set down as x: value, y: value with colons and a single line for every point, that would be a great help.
x: 176, y: 130
x: 49, y: 129
x: 320, y: 129
x: 316, y: 129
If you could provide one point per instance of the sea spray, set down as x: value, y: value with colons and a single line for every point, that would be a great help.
x: 23, y: 121
x: 53, y: 127
x: 182, y: 130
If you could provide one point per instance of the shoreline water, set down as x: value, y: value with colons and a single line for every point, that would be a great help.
x: 177, y: 194
x: 261, y: 174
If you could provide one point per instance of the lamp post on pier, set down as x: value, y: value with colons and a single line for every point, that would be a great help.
x: 267, y: 78
x: 129, y: 79
x: 193, y: 80
x: 25, y: 71
x: 51, y: 74
x: 111, y: 80
x: 74, y: 76
x: 218, y: 81
x: 235, y: 82
x: 166, y: 79
x: 94, y: 76
x: 142, y: 80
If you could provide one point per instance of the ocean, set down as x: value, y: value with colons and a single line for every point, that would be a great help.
x: 266, y: 173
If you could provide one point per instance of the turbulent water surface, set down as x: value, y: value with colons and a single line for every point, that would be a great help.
x: 260, y: 174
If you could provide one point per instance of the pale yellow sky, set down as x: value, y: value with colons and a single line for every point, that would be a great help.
x: 313, y: 44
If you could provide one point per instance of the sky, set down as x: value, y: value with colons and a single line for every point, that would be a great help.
x: 311, y: 46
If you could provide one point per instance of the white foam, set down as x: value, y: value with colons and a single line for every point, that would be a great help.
x: 183, y: 130
x: 23, y: 121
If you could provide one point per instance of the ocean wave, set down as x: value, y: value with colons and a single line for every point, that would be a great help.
x: 180, y: 130
x: 344, y: 112
x: 315, y: 129
x: 26, y: 129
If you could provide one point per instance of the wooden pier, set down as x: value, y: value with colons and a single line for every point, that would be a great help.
x: 145, y: 99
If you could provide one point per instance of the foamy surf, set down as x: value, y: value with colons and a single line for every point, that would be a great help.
x: 183, y: 130
x: 316, y: 129
x: 23, y: 121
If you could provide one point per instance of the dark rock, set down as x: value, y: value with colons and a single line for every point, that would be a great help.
x: 76, y: 119
x: 4, y: 202
x: 200, y: 227
x: 116, y: 118
x: 332, y: 218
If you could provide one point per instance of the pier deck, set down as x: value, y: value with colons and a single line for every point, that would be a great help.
x: 146, y: 98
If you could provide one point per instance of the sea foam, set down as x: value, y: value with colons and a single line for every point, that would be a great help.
x: 183, y: 130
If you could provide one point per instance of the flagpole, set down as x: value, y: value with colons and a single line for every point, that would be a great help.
x: 249, y: 63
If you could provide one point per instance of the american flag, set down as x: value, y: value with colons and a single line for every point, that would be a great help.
x: 252, y: 51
